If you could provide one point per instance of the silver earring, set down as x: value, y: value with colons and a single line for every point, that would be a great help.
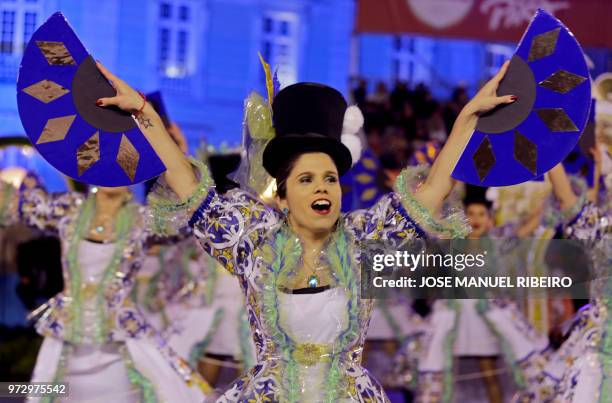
x: 285, y: 210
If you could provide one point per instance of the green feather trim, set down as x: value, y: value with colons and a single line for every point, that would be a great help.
x: 606, y: 352
x: 283, y: 257
x: 245, y: 337
x: 78, y: 231
x: 165, y: 206
x: 152, y: 286
x: 211, y: 280
x: 147, y: 391
x: 482, y: 307
x: 340, y: 258
x: 60, y: 371
x: 454, y: 224
x: 449, y: 344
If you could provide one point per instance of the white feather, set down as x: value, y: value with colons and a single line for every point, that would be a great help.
x: 353, y: 120
x: 492, y: 195
x: 352, y: 142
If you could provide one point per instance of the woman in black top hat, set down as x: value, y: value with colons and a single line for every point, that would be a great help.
x: 298, y: 265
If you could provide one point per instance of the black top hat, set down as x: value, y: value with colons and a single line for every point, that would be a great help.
x: 221, y: 165
x: 308, y: 117
x: 476, y: 195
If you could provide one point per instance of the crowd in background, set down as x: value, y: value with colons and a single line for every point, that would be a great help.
x: 402, y: 119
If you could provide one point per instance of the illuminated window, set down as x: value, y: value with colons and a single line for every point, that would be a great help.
x: 18, y: 21
x: 403, y: 59
x: 29, y: 26
x: 176, y: 57
x: 495, y: 56
x: 165, y: 10
x: 184, y: 13
x: 280, y: 44
x: 8, y: 31
x: 181, y: 52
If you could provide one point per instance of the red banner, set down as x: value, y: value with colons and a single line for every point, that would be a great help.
x: 488, y: 20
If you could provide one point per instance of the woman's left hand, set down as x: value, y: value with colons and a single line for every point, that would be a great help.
x: 486, y: 99
x: 439, y: 182
x: 126, y: 98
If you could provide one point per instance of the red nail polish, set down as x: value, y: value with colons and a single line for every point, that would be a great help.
x: 99, y: 103
x: 513, y: 97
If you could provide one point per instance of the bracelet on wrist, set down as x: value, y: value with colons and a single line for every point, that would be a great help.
x: 144, y: 103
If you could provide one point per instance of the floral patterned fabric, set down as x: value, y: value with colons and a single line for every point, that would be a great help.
x: 588, y: 374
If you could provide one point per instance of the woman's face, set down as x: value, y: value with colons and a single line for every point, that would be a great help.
x: 313, y: 194
x: 479, y: 217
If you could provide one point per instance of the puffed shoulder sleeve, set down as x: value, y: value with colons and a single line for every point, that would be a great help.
x: 167, y: 215
x: 36, y: 207
x: 229, y: 226
x: 584, y: 220
x: 588, y: 222
x: 399, y: 215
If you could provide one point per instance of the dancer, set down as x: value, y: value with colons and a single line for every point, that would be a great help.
x: 580, y: 370
x: 94, y: 336
x: 213, y: 327
x: 299, y: 266
x: 478, y: 328
x: 227, y: 342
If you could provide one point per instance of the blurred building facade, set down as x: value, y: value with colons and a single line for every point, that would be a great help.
x: 202, y: 54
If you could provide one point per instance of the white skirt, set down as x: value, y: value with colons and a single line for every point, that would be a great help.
x: 190, y: 326
x: 509, y: 324
x: 229, y: 297
x: 99, y: 373
x: 474, y: 338
x: 407, y: 321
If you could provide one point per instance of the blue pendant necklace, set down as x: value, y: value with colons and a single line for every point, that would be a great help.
x: 313, y: 281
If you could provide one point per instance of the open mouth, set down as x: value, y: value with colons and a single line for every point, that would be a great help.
x: 321, y: 206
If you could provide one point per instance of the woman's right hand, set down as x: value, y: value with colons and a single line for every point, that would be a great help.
x: 179, y: 172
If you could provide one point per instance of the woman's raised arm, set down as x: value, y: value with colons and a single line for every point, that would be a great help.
x: 439, y: 182
x: 179, y: 173
x: 562, y: 187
